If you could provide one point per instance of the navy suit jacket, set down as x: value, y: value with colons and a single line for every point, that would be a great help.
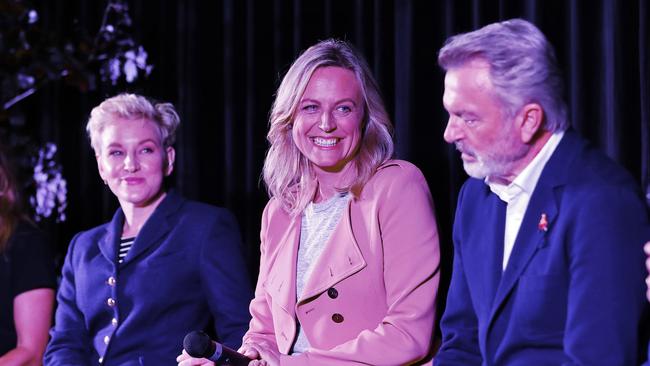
x: 184, y: 269
x: 573, y: 290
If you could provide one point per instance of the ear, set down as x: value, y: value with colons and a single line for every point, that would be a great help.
x: 171, y: 157
x: 530, y: 119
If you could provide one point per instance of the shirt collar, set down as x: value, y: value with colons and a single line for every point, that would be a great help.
x: 527, y: 179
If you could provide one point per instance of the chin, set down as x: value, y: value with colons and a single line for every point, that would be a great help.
x: 139, y: 199
x: 476, y: 170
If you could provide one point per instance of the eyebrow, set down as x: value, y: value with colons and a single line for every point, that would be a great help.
x: 310, y: 100
x: 117, y: 144
x: 465, y: 113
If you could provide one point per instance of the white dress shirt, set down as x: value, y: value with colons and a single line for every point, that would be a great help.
x: 517, y: 194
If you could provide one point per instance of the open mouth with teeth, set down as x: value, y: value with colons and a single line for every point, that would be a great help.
x: 325, y: 142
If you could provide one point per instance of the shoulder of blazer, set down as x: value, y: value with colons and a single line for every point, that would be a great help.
x: 402, y: 164
x: 393, y: 174
x: 92, y: 235
x: 202, y: 212
x: 275, y: 210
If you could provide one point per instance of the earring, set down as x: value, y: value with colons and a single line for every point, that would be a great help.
x: 105, y: 182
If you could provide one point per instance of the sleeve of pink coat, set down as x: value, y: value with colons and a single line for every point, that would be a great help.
x: 411, y: 274
x: 261, y: 329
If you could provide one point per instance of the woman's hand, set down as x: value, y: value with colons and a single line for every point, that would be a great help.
x: 186, y: 360
x: 268, y: 354
x: 249, y: 351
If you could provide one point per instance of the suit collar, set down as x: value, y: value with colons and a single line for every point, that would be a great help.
x: 544, y: 201
x: 109, y: 241
x: 156, y: 226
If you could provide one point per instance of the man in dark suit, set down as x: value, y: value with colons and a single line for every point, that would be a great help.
x: 548, y: 267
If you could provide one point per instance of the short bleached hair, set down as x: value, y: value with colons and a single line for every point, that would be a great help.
x: 133, y: 107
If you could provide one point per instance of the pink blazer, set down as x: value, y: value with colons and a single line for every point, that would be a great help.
x: 371, y: 296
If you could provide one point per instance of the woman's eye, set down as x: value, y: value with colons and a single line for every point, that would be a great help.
x: 114, y: 153
x: 344, y: 109
x: 309, y: 108
x: 147, y: 150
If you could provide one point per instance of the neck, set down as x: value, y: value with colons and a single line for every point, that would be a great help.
x: 328, y: 182
x: 136, y: 216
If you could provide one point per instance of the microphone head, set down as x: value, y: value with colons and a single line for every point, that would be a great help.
x: 198, y: 344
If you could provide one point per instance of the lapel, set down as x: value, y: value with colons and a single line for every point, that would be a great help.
x: 489, y: 257
x: 282, y: 268
x: 109, y: 241
x: 340, y: 258
x: 543, y: 201
x: 156, y: 226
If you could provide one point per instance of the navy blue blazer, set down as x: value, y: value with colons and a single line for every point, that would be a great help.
x: 573, y: 290
x: 184, y: 269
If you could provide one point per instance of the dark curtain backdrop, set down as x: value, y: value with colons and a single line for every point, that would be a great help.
x: 220, y: 62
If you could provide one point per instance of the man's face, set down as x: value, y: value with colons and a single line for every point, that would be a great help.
x: 479, y: 125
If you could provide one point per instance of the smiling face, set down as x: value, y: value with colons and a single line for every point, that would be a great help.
x: 327, y: 125
x: 132, y: 161
x: 488, y: 139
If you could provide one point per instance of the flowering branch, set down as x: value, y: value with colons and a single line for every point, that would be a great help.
x: 30, y: 57
x: 51, y: 187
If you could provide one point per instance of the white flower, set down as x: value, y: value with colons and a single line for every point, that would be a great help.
x: 25, y: 81
x: 141, y: 58
x: 32, y: 16
x: 50, y: 150
x: 114, y: 69
x: 130, y: 70
x: 51, y: 187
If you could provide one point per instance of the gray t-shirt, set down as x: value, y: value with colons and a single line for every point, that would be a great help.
x: 318, y: 222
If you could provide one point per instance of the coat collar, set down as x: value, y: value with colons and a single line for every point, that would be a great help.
x: 340, y: 258
x: 544, y: 201
x: 156, y: 226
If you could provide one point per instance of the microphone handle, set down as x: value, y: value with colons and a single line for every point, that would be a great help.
x: 224, y: 356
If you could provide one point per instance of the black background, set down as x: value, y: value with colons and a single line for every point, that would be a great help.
x: 220, y: 62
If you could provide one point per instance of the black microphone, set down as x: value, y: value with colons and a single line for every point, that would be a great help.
x: 199, y: 345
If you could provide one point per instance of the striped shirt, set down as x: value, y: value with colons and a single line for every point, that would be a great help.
x: 125, y: 245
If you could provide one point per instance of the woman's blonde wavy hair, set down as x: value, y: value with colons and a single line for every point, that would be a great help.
x: 288, y: 175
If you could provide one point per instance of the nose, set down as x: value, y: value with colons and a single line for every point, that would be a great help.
x: 131, y: 163
x: 453, y: 131
x: 327, y: 123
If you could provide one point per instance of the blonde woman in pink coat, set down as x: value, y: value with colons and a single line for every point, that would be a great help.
x: 349, y: 245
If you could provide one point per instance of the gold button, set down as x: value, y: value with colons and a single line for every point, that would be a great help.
x: 114, y: 322
x: 101, y: 359
x: 111, y: 281
x: 110, y: 302
x: 107, y: 339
